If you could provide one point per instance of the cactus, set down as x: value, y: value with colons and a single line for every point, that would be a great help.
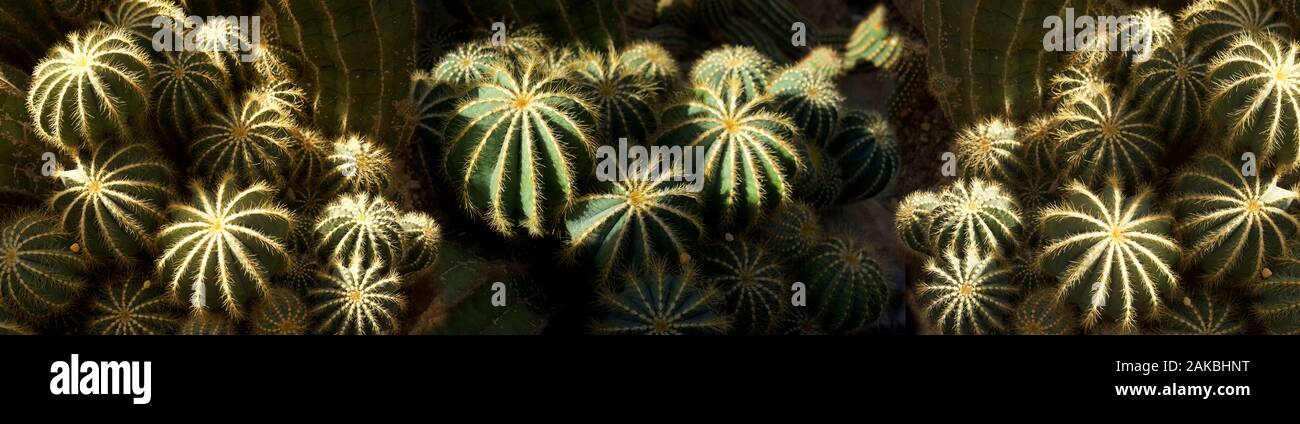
x: 132, y: 306
x: 1231, y: 223
x: 201, y: 323
x: 751, y: 283
x: 774, y: 19
x: 114, y: 199
x: 812, y: 102
x: 436, y: 41
x: 874, y: 42
x: 12, y: 327
x: 1253, y: 97
x: 434, y: 100
x: 676, y: 12
x: 1113, y: 53
x: 280, y: 312
x: 511, y: 174
x: 823, y: 62
x: 91, y: 87
x: 357, y: 299
x: 967, y: 294
x: 421, y: 237
x: 307, y: 162
x: 1041, y: 314
x: 845, y: 286
x: 1211, y: 25
x: 281, y: 95
x: 21, y: 151
x: 1042, y: 167
x: 744, y: 65
x: 991, y: 150
x: 1174, y: 92
x: 652, y: 62
x: 76, y: 10
x: 820, y: 185
x: 978, y: 212
x: 250, y: 141
x: 867, y: 153
x: 622, y: 98
x: 1113, y: 253
x: 791, y: 231
x: 224, y: 246
x: 362, y: 226
x: 356, y: 164
x: 1075, y: 82
x: 660, y: 301
x: 300, y: 275
x: 714, y: 12
x: 741, y: 31
x: 1100, y: 136
x: 1201, y: 314
x: 468, y: 64
x: 1277, y: 297
x: 188, y: 86
x: 644, y: 216
x: 40, y: 272
x: 913, y: 219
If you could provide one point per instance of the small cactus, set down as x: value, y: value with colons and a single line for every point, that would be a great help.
x: 133, y: 306
x: 280, y: 312
x: 250, y: 141
x: 845, y: 286
x: 791, y: 230
x: 434, y: 101
x: 1102, y: 136
x: 753, y: 290
x: 467, y: 64
x: 1210, y: 25
x: 1041, y: 313
x: 137, y: 17
x: 659, y: 301
x: 357, y: 299
x: 421, y: 237
x: 114, y: 200
x: 913, y: 219
x: 201, y: 323
x: 991, y: 150
x: 1174, y: 92
x: 867, y: 153
x: 976, y: 212
x: 41, y: 272
x: 1254, y: 99
x: 874, y: 42
x: 622, y: 97
x: 12, y: 327
x: 187, y: 88
x: 813, y: 103
x: 744, y: 65
x: 355, y: 164
x: 820, y: 185
x: 967, y: 294
x: 362, y: 226
x: 652, y: 62
x: 1277, y: 297
x: 1201, y: 314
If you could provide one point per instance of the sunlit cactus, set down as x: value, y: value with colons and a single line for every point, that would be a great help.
x: 1113, y: 252
x: 281, y: 95
x: 867, y: 152
x: 1210, y: 25
x: 137, y: 18
x: 114, y: 199
x: 1042, y: 166
x: 202, y: 323
x: 845, y: 286
x: 1231, y: 224
x: 791, y: 230
x: 1145, y: 29
x: 753, y: 288
x: 1041, y: 313
x: 357, y: 299
x: 249, y: 141
x: 1201, y: 314
x: 307, y: 164
x: 1254, y: 99
x: 749, y: 68
x: 1100, y: 136
x: 991, y: 150
x: 132, y: 306
x: 812, y: 102
x: 41, y: 272
x: 1076, y: 82
x: 1174, y: 91
x: 421, y: 237
x: 187, y: 88
x: 976, y: 212
x: 89, y: 88
x: 467, y: 64
x: 823, y: 62
x: 1277, y: 297
x: 363, y: 226
x: 280, y: 312
x: 224, y: 246
x: 356, y: 164
x: 652, y: 62
x: 967, y: 294
x: 913, y: 219
x: 657, y: 300
x: 874, y: 42
x: 622, y: 97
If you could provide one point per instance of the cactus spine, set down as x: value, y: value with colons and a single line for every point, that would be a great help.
x: 250, y: 141
x: 1254, y: 92
x: 1201, y: 314
x: 280, y: 312
x: 659, y: 301
x: 976, y: 212
x: 751, y: 283
x: 845, y: 286
x: 867, y: 153
x: 360, y: 226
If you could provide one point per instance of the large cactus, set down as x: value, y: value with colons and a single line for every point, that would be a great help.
x: 967, y: 294
x: 133, y: 306
x: 751, y: 282
x: 867, y: 153
x: 845, y: 286
x: 40, y: 270
x: 812, y: 102
x: 1254, y: 101
x: 749, y: 68
x: 657, y: 300
x: 1211, y: 25
x: 113, y: 200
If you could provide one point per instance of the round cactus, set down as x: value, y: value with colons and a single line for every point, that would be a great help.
x: 812, y: 102
x: 1254, y: 98
x: 355, y: 164
x: 1231, y: 223
x: 357, y: 299
x: 659, y: 301
x: 137, y: 18
x: 1077, y: 82
x: 652, y: 62
x: 362, y: 226
x: 791, y: 230
x: 435, y: 100
x: 1101, y: 136
x: 913, y: 219
x: 421, y: 237
x: 820, y: 185
x: 744, y: 65
x: 990, y: 150
x: 132, y: 306
x: 823, y: 62
x: 978, y: 212
x: 187, y: 87
x: 750, y: 152
x: 89, y: 88
x: 250, y: 141
x: 114, y: 199
x: 1201, y: 314
x: 874, y: 42
x: 467, y: 64
x: 867, y: 154
x: 201, y: 323
x: 307, y: 163
x: 224, y: 246
x: 281, y: 95
x: 845, y: 286
x: 1210, y: 25
x: 753, y: 290
x: 1041, y: 313
x: 621, y: 97
x: 300, y: 275
x: 1038, y: 154
x: 516, y: 147
x: 1174, y: 92
x: 1113, y: 253
x: 1277, y: 297
x: 280, y: 312
x: 967, y: 294
x: 40, y: 272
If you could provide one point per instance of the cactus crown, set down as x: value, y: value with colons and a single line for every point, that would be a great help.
x: 967, y: 294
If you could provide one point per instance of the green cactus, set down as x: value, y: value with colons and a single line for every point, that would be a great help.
x: 434, y: 100
x: 224, y: 246
x: 1253, y: 86
x: 436, y: 41
x: 1231, y: 223
x: 1075, y: 83
x: 1174, y: 92
x: 307, y: 161
x: 867, y: 153
x: 300, y: 275
x: 744, y: 65
x: 991, y: 150
x: 281, y: 95
x: 812, y: 102
x: 654, y: 63
x: 12, y: 327
x: 773, y: 19
x: 187, y: 88
x: 1211, y: 25
x: 742, y: 31
x: 874, y: 42
x: 752, y: 285
x: 714, y: 12
x: 1100, y: 136
x: 1113, y: 252
x: 515, y: 175
x: 658, y: 301
x: 1040, y: 314
x: 280, y: 312
x: 76, y: 10
x: 92, y: 86
x: 421, y: 236
x: 250, y: 141
x: 362, y: 226
x: 1201, y: 314
x: 823, y: 62
x: 41, y: 272
x: 1113, y: 53
x: 1277, y: 297
x: 845, y: 286
x: 791, y: 230
x: 467, y: 64
x: 1042, y: 166
x: 355, y: 164
x: 357, y: 299
x: 967, y: 294
x: 978, y: 212
x: 820, y: 185
x: 622, y: 97
x: 114, y: 199
x: 1025, y: 272
x: 913, y: 219
x: 678, y: 13
x: 200, y: 323
x: 132, y: 306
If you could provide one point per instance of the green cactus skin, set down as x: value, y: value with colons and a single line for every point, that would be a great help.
x: 41, y: 272
x: 300, y: 275
x: 280, y: 312
x: 436, y: 41
x: 1277, y: 297
x: 421, y: 237
x: 867, y: 153
x: 751, y: 282
x: 1174, y: 92
x: 812, y: 102
x: 133, y: 306
x: 1251, y: 82
x: 874, y: 42
x: 1201, y: 314
x: 845, y: 286
x: 355, y: 164
x: 187, y: 87
x: 679, y: 13
x: 224, y: 246
x: 26, y: 30
x: 654, y: 63
x: 466, y: 65
x: 820, y: 185
x: 659, y: 301
x: 643, y: 217
x: 1112, y: 54
x: 114, y: 199
x: 434, y: 101
x: 967, y: 294
x: 281, y: 95
x: 978, y: 212
x: 12, y: 327
x: 1113, y: 253
x: 515, y: 175
x: 1231, y: 224
x: 250, y: 141
x: 1025, y: 272
x: 622, y: 98
x: 670, y: 38
x: 588, y: 22
x: 200, y: 323
x: 1041, y: 165
x: 1211, y: 25
x: 1100, y: 136
x: 991, y: 150
x: 745, y: 65
x: 20, y: 149
x: 714, y: 12
x: 1290, y: 7
x: 363, y: 226
x: 909, y: 84
x: 357, y: 299
x: 1040, y: 314
x: 913, y: 219
x: 791, y: 231
x: 773, y: 19
x: 91, y: 87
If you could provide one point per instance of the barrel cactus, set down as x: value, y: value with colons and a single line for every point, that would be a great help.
x: 967, y: 294
x: 652, y: 62
x: 250, y: 141
x: 1253, y: 98
x: 1101, y: 135
x: 133, y: 306
x: 356, y: 164
x: 1041, y: 313
x: 1277, y: 297
x: 846, y: 287
x: 9, y: 326
x: 137, y: 18
x: 991, y: 150
x: 1201, y: 314
x: 1211, y: 25
x: 187, y: 88
x: 744, y: 65
x: 791, y: 231
x: 976, y: 212
x: 362, y: 226
x: 93, y: 86
x: 469, y: 63
x: 280, y: 312
x: 622, y: 97
x: 421, y: 237
x: 866, y: 150
x: 357, y: 299
x: 752, y: 286
x: 912, y: 221
x: 114, y: 199
x: 811, y: 101
x: 1174, y: 91
x: 658, y: 300
x: 820, y: 185
x: 41, y: 272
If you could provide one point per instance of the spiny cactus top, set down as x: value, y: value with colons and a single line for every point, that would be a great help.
x: 1255, y: 95
x: 912, y: 221
x: 516, y: 146
x: 652, y: 62
x: 845, y: 286
x: 866, y: 150
x: 746, y: 66
x: 1231, y: 224
x: 250, y: 141
x: 967, y: 294
x: 357, y: 299
x: 467, y: 64
x: 1173, y: 89
x: 1201, y: 314
x: 40, y: 270
x: 823, y: 62
x: 224, y: 246
x: 9, y: 326
x: 990, y: 150
x: 133, y: 306
x: 811, y: 101
x: 1041, y: 314
x: 94, y: 85
x: 113, y: 200
x: 360, y: 226
x: 978, y: 212
x: 754, y: 289
x: 623, y: 97
x: 1077, y: 82
x: 356, y: 164
x: 187, y: 87
x: 421, y: 237
x: 1102, y: 136
x: 1111, y: 251
x: 281, y: 312
x: 660, y: 301
x: 750, y: 156
x: 1210, y: 25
